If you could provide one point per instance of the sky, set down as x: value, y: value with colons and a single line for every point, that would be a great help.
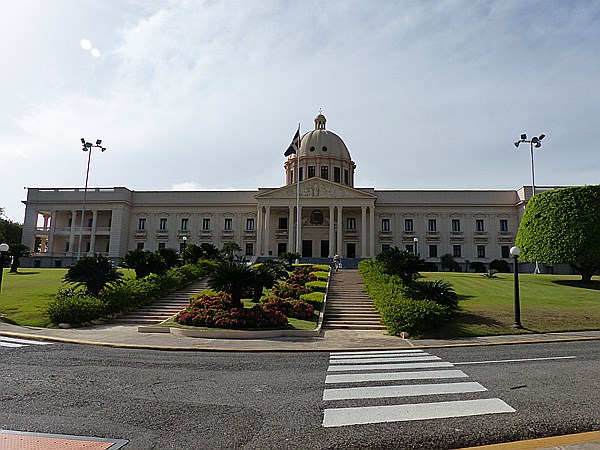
x: 208, y: 94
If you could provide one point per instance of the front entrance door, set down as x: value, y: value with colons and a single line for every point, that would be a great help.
x: 350, y: 250
x: 324, y: 249
x: 281, y: 248
x: 306, y: 249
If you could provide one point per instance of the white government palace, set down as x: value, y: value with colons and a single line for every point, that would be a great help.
x: 336, y: 217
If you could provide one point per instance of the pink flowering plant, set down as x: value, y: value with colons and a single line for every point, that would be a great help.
x: 287, y: 290
x: 290, y: 307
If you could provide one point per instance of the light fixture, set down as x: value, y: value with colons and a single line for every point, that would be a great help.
x: 515, y: 251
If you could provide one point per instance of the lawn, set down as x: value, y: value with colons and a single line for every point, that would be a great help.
x: 549, y: 303
x: 26, y: 294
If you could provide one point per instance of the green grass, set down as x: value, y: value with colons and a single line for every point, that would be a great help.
x: 26, y: 294
x: 549, y: 303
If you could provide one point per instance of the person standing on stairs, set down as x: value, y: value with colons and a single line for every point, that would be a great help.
x: 337, y: 262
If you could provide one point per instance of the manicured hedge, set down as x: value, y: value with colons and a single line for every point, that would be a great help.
x: 398, y: 312
x: 317, y: 286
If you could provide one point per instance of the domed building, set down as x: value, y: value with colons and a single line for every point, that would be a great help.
x: 334, y: 216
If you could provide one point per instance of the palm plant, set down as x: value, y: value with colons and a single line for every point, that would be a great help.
x: 232, y: 278
x: 144, y: 262
x: 93, y: 272
x: 439, y: 291
x: 170, y: 256
x: 402, y: 263
x: 267, y: 273
x: 17, y: 251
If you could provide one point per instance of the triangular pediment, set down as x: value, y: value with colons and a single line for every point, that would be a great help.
x: 316, y: 188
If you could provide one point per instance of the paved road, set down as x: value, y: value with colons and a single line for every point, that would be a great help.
x: 165, y: 400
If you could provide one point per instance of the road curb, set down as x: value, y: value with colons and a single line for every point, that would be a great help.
x: 199, y: 347
x: 563, y: 442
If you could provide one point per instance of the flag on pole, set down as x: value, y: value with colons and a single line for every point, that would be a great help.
x: 295, y: 145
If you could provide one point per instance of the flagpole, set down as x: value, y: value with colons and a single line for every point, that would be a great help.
x: 298, y: 213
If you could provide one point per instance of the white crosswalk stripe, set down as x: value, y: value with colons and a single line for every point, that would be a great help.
x: 399, y: 367
x: 15, y: 342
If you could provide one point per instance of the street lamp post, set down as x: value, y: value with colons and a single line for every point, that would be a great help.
x: 536, y: 142
x: 87, y: 147
x: 184, y: 244
x: 514, y: 251
x: 3, y: 250
x: 416, y: 241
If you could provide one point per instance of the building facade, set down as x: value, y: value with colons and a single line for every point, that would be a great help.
x: 335, y: 216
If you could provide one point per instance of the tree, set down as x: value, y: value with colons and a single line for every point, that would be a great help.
x: 562, y: 227
x: 477, y: 266
x: 170, y: 256
x: 10, y: 232
x: 229, y: 249
x: 144, y: 262
x: 93, y: 272
x: 194, y: 253
x: 209, y: 251
x: 290, y: 257
x: 234, y: 279
x: 448, y: 262
x: 500, y: 265
x: 402, y: 263
x: 17, y: 251
x: 267, y: 273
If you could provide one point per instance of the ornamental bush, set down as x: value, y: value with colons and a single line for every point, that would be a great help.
x: 217, y: 311
x: 290, y: 307
x: 314, y: 298
x: 317, y: 286
x: 74, y: 307
x: 301, y: 278
x: 321, y: 275
x: 286, y: 290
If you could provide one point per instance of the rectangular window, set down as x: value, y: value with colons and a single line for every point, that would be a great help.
x: 505, y: 249
x: 479, y: 225
x: 455, y: 224
x: 409, y: 248
x: 337, y: 177
x: 325, y: 172
x: 283, y: 223
x: 311, y: 171
x: 67, y: 246
x: 90, y: 222
x: 69, y: 223
x: 162, y: 245
x: 142, y: 223
x: 385, y: 224
x: 249, y: 249
x: 140, y: 246
x: 301, y: 173
x: 162, y: 224
x: 351, y: 223
x: 228, y: 224
x: 408, y: 225
x: 182, y: 247
x: 184, y: 223
x: 385, y: 247
x: 481, y: 251
x: 206, y: 224
x: 250, y: 224
x: 503, y: 225
x: 292, y: 179
x: 456, y: 251
x: 433, y: 251
x: 432, y: 225
x: 346, y: 177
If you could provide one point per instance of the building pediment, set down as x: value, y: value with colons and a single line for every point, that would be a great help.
x: 316, y: 188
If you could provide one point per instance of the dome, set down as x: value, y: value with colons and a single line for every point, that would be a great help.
x: 320, y: 142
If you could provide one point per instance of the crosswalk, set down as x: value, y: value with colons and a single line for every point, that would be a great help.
x: 389, y: 376
x: 15, y: 343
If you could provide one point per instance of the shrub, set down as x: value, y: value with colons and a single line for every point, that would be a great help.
x: 490, y: 274
x: 314, y: 298
x: 321, y: 275
x: 218, y: 311
x: 402, y: 263
x: 412, y: 316
x: 438, y: 291
x: 477, y: 266
x: 321, y: 268
x: 287, y: 290
x: 500, y: 266
x: 74, y: 307
x: 317, y: 286
x: 290, y: 307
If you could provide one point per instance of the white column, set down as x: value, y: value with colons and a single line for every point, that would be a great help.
x: 72, y: 248
x: 331, y: 231
x: 291, y: 222
x: 363, y: 232
x: 259, y: 231
x: 340, y: 230
x: 50, y: 244
x: 372, y: 232
x: 93, y: 231
x: 267, y: 229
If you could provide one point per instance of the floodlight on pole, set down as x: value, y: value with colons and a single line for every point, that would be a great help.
x: 86, y: 147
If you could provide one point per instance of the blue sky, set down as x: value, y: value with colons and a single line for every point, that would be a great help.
x: 207, y: 94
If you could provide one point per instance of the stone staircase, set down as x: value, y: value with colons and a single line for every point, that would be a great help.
x: 348, y: 307
x: 162, y: 309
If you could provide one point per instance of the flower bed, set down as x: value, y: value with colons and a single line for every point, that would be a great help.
x: 290, y: 307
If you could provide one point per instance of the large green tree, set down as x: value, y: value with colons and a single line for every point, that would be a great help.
x: 562, y: 226
x: 234, y: 279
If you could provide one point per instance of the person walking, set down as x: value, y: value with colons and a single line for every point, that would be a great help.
x: 337, y: 263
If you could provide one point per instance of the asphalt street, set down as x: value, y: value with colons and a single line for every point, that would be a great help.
x: 211, y: 400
